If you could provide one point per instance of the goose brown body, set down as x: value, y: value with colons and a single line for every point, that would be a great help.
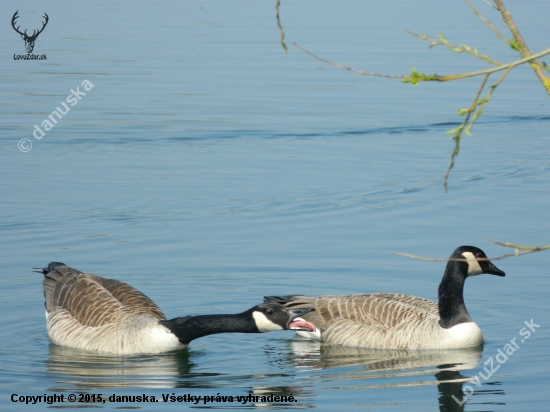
x: 87, y: 311
x: 382, y: 321
x: 398, y: 321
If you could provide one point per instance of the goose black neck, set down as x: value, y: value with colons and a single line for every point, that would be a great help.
x: 192, y: 327
x: 452, y: 309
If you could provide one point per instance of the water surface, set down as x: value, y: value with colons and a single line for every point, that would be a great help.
x: 208, y: 168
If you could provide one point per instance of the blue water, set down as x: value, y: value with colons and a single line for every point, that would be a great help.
x: 208, y: 167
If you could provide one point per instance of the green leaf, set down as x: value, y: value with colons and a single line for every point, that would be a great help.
x: 455, y: 131
x: 417, y: 77
x: 515, y: 45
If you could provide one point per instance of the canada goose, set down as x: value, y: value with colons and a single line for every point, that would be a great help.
x: 397, y: 321
x: 89, y: 312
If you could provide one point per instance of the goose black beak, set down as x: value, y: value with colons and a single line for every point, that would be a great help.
x: 493, y: 270
x: 295, y: 312
x: 297, y: 323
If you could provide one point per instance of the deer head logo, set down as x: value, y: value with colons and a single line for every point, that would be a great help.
x: 29, y: 40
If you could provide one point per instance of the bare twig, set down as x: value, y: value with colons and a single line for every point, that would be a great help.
x: 340, y: 66
x: 520, y: 45
x: 463, y: 48
x: 519, y: 247
x: 489, y: 4
x: 458, y: 134
x: 483, y: 102
x: 527, y: 249
x: 422, y: 77
x: 461, y: 260
x: 283, y: 45
x: 495, y: 69
x: 487, y: 22
x: 466, y: 129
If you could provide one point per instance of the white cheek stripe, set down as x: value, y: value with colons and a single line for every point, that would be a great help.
x: 264, y: 324
x: 474, y: 268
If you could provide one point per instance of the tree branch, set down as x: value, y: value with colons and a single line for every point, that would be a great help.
x: 283, y: 45
x: 488, y: 23
x: 527, y: 250
x: 520, y: 45
x: 519, y: 247
x: 458, y: 134
x: 494, y: 69
x: 472, y: 114
x: 340, y: 66
x: 416, y: 77
x: 463, y: 48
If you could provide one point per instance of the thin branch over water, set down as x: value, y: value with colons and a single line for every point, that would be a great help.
x: 526, y: 250
x: 283, y: 45
x: 476, y: 108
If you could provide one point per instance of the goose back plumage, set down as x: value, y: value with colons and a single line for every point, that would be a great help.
x: 380, y: 321
x: 87, y: 311
x: 73, y: 290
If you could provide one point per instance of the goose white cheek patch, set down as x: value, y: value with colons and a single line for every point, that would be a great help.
x: 474, y: 268
x: 264, y: 324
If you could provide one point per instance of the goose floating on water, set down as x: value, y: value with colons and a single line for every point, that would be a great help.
x: 397, y: 321
x: 89, y: 312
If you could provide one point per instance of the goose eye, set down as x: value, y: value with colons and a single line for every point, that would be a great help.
x: 269, y: 311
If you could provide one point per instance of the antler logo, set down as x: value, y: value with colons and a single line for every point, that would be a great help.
x: 29, y: 40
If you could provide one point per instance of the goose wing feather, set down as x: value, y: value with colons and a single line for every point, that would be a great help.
x: 130, y: 297
x: 93, y: 300
x: 365, y: 320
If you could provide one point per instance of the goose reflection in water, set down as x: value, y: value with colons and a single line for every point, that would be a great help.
x: 74, y: 368
x: 392, y: 369
x: 306, y: 363
x: 77, y: 370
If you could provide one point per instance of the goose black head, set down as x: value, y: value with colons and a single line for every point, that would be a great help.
x: 274, y: 316
x: 476, y: 261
